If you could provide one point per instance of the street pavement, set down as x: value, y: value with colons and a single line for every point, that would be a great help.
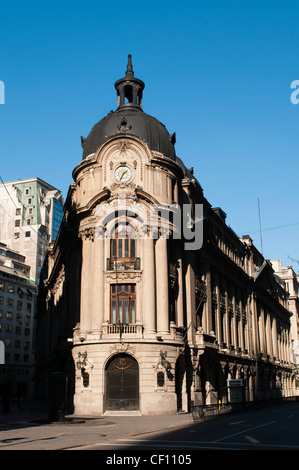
x: 27, y: 429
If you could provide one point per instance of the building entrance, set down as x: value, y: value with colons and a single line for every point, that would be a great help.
x: 122, y: 383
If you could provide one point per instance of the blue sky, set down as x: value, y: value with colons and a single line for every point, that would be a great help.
x: 216, y: 73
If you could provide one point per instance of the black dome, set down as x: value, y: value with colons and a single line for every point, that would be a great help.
x: 129, y: 119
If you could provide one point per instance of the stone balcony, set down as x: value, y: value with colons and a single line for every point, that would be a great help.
x: 204, y: 340
x: 124, y: 330
x: 120, y: 265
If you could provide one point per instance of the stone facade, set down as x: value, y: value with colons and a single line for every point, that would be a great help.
x: 31, y: 218
x: 290, y: 281
x: 135, y: 315
x: 17, y: 312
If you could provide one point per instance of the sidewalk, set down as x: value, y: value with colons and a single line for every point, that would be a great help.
x: 29, y: 430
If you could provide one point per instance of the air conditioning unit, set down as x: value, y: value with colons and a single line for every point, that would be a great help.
x: 231, y: 383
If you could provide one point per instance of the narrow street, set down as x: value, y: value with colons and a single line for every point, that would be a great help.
x: 273, y: 428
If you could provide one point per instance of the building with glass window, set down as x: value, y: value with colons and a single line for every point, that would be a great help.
x: 149, y: 303
x: 31, y: 211
x: 17, y: 311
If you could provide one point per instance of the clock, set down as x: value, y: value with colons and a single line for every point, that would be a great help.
x: 123, y: 174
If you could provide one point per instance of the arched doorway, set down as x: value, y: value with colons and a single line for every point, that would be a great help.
x: 122, y: 383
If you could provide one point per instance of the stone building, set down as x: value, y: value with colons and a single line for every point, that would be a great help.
x: 30, y: 214
x: 17, y: 312
x: 290, y: 281
x: 149, y: 302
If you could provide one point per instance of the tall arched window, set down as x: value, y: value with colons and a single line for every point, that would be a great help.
x: 123, y: 243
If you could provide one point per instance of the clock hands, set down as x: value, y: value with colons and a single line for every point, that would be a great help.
x: 123, y: 174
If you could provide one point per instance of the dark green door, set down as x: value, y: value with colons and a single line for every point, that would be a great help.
x: 122, y: 383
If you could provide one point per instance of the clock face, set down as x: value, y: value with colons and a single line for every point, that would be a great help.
x: 123, y: 173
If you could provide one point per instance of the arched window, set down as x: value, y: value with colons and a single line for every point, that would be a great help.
x: 128, y: 89
x: 123, y: 243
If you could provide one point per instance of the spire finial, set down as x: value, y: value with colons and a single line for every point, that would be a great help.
x: 129, y: 89
x: 129, y: 72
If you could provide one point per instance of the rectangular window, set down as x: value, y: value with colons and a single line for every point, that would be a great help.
x: 113, y: 311
x: 114, y: 248
x: 126, y: 248
x: 123, y: 303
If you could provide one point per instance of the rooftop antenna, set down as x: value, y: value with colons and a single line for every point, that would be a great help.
x: 258, y: 203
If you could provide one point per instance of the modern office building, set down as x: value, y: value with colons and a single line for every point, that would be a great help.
x: 31, y: 211
x: 149, y: 301
x: 17, y: 311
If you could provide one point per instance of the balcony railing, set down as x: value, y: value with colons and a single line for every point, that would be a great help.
x: 123, y: 329
x: 113, y: 264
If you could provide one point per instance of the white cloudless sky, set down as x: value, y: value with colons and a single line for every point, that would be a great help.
x: 217, y: 73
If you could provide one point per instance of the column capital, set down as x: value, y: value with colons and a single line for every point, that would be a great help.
x: 87, y: 233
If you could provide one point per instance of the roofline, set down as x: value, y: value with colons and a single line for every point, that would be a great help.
x: 35, y: 179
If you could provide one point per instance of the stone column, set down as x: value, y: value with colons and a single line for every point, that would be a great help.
x: 180, y: 300
x: 190, y: 295
x: 86, y: 280
x: 255, y: 330
x: 218, y: 332
x: 148, y: 287
x: 97, y: 307
x: 162, y: 286
x: 209, y: 302
x: 262, y: 331
x: 269, y: 334
x: 274, y: 338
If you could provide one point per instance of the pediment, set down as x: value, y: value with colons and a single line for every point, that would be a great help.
x: 264, y: 277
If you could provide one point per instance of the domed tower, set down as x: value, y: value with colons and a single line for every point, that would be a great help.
x: 129, y: 119
x: 131, y: 313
